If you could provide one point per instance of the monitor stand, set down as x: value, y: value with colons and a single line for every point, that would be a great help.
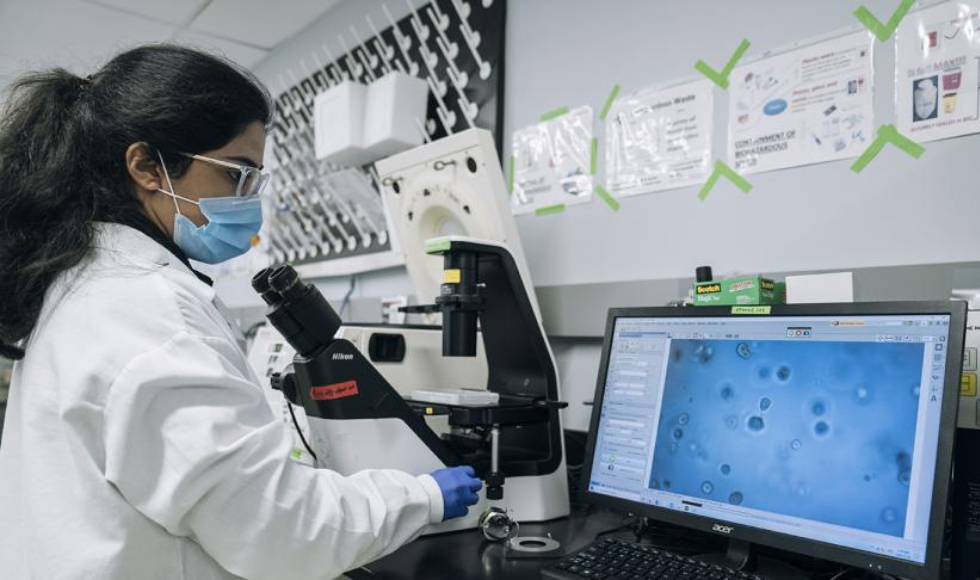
x: 741, y: 556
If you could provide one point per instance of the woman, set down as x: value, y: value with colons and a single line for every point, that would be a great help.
x: 138, y: 443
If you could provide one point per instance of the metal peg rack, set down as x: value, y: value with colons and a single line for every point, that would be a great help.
x: 320, y: 211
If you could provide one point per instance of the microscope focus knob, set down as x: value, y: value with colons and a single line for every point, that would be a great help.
x: 495, y: 486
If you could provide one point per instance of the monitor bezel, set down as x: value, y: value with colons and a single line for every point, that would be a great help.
x: 813, y: 548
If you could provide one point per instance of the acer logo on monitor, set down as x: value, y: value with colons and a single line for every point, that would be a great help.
x: 722, y: 529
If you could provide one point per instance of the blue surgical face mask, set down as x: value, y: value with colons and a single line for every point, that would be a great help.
x: 232, y: 223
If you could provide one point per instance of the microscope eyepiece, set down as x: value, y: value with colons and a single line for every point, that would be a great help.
x: 286, y: 282
x: 297, y: 310
x: 260, y: 283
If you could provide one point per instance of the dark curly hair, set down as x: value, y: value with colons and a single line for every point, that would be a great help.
x: 63, y: 142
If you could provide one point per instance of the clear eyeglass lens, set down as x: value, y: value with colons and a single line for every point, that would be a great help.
x: 252, y: 183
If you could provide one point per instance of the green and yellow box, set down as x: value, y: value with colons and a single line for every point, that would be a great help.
x: 738, y: 291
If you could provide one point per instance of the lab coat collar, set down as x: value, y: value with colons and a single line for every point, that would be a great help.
x: 144, y: 225
x: 136, y: 246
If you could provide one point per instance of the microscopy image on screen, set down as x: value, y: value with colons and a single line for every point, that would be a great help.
x: 816, y: 430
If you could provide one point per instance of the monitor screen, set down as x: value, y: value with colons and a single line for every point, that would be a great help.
x: 824, y: 428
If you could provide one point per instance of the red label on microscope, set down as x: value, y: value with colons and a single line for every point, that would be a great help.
x: 335, y: 391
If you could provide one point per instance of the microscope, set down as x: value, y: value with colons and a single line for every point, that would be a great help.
x: 358, y: 420
x: 481, y: 284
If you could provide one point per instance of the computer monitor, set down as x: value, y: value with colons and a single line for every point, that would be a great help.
x: 824, y: 430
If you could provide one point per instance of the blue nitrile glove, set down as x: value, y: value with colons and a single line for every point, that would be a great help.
x: 459, y: 487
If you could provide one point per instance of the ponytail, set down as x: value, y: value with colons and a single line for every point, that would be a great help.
x: 45, y: 224
x: 63, y: 140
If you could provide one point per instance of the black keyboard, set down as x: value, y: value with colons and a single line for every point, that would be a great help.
x: 612, y: 559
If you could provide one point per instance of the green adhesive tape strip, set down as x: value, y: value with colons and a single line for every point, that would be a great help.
x: 869, y: 154
x: 510, y: 177
x: 607, y: 197
x: 609, y: 101
x: 594, y: 160
x: 296, y: 453
x: 550, y: 209
x: 723, y: 170
x: 887, y: 134
x: 436, y: 245
x: 554, y: 114
x: 883, y: 31
x: 721, y: 78
x: 907, y: 145
x: 751, y: 309
x: 739, y: 181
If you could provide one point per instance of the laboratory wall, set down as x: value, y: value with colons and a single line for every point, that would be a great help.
x: 898, y: 211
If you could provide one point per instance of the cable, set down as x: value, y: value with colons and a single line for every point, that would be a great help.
x: 253, y: 330
x: 346, y: 302
x: 573, y: 442
x: 300, y: 431
x: 671, y: 538
x: 631, y: 525
x: 250, y: 333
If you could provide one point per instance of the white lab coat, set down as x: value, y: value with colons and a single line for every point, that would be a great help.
x: 138, y: 444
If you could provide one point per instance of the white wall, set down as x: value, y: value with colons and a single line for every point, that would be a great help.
x: 898, y: 211
x: 570, y: 52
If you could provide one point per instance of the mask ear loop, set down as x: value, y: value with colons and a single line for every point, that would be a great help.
x: 170, y: 184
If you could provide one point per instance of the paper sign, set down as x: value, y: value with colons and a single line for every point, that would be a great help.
x: 552, y: 162
x: 659, y: 139
x: 807, y: 105
x: 938, y: 72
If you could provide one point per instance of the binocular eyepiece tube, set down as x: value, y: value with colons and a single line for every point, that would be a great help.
x: 296, y: 309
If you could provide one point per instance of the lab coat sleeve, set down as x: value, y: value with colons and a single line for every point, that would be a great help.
x: 191, y: 443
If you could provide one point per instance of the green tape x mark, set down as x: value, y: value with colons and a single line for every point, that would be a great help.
x: 550, y: 209
x: 595, y: 156
x: 609, y: 101
x: 607, y: 197
x: 723, y: 170
x: 887, y: 134
x: 510, y: 177
x: 721, y: 78
x: 883, y: 31
x: 554, y: 114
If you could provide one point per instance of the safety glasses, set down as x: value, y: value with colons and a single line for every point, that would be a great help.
x: 251, y: 180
